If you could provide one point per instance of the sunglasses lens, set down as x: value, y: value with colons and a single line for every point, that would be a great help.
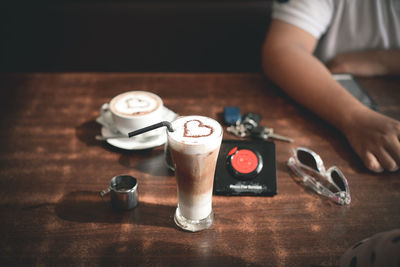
x: 338, y: 180
x: 307, y: 159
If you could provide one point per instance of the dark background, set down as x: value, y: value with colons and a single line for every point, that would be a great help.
x: 144, y: 36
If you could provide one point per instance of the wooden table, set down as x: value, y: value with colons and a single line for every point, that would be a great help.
x: 52, y: 170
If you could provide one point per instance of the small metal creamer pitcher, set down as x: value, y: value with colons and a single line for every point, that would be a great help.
x: 123, y: 191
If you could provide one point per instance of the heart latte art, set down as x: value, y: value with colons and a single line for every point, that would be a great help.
x: 135, y: 103
x: 195, y: 131
x: 195, y: 128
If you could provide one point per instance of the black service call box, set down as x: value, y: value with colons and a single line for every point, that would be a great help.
x: 246, y: 168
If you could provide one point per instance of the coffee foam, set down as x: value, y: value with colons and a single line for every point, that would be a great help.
x: 135, y: 103
x: 195, y: 134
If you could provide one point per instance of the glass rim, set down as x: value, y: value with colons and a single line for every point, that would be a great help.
x: 219, y: 136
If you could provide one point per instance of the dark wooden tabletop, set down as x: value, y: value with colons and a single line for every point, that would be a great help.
x: 52, y: 170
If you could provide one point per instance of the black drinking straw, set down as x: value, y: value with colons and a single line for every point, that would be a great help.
x: 152, y: 127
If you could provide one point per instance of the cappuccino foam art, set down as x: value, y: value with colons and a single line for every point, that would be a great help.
x: 195, y: 134
x: 135, y: 103
x: 194, y: 146
x: 133, y: 110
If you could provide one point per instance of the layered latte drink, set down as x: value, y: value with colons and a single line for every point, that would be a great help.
x: 194, y: 145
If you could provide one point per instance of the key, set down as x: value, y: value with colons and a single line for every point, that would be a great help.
x: 238, y: 130
x: 264, y: 133
x: 271, y: 134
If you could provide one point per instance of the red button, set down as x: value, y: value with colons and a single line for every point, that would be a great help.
x: 244, y: 161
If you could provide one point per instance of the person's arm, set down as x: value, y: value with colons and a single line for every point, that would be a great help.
x: 367, y: 63
x: 288, y: 61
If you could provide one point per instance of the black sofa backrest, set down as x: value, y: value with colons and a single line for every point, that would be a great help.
x: 146, y: 36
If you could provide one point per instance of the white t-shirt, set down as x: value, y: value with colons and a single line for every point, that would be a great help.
x: 344, y: 25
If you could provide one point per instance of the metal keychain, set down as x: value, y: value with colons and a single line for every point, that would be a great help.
x: 251, y: 120
x: 243, y: 128
x: 238, y: 130
x: 250, y: 127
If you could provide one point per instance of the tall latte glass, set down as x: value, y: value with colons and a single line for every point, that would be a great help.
x: 194, y: 145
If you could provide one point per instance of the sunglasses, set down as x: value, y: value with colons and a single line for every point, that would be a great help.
x: 330, y: 183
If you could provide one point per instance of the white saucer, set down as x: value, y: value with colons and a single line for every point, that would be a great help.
x: 134, y: 143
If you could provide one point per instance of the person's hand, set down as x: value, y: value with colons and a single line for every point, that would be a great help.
x: 375, y: 138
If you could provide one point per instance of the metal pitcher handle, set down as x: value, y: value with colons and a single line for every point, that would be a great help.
x: 104, y: 192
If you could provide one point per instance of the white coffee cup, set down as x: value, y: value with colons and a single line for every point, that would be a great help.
x: 133, y: 110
